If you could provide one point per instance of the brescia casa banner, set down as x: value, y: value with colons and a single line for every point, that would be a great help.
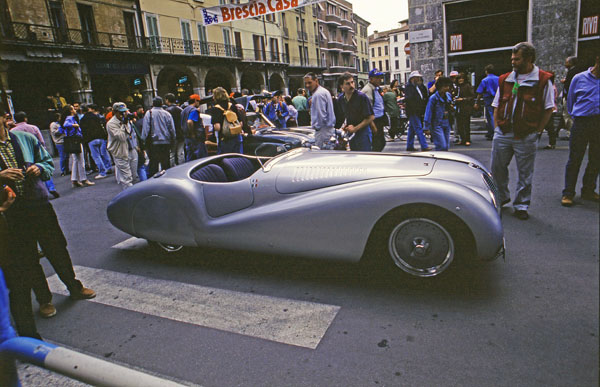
x: 231, y: 12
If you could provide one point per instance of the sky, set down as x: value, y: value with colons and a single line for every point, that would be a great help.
x: 382, y: 14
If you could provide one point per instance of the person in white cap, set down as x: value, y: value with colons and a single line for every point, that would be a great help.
x: 416, y: 97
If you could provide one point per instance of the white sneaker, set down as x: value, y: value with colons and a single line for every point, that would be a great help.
x: 98, y: 177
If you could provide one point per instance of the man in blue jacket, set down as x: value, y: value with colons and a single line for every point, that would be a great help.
x: 487, y: 90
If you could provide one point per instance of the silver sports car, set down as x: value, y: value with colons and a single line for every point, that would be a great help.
x: 427, y: 210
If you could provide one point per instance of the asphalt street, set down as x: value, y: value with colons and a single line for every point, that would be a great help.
x: 221, y: 318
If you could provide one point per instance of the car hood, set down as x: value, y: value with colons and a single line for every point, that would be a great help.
x: 305, y: 170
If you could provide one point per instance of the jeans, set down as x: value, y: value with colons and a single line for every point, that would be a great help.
x: 64, y: 158
x: 178, y: 153
x: 231, y: 145
x: 415, y: 127
x: 362, y: 140
x: 585, y: 130
x: 100, y: 155
x: 440, y: 135
x: 50, y: 185
x: 195, y: 149
x: 504, y: 146
x: 489, y: 120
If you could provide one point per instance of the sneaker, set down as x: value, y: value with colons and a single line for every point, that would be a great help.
x: 87, y: 182
x: 76, y: 184
x: 550, y: 147
x: 83, y: 294
x: 47, y: 310
x: 566, y: 201
x: 593, y: 196
x: 521, y: 214
x: 98, y: 177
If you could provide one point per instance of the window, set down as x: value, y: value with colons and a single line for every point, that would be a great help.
x: 283, y: 21
x: 306, y: 58
x: 301, y: 52
x: 153, y: 34
x: 333, y: 57
x: 259, y: 48
x: 397, y: 65
x: 202, y: 39
x: 406, y: 36
x: 395, y: 38
x: 323, y: 60
x: 186, y: 35
x: 227, y: 41
x: 357, y: 64
x: 374, y: 65
x: 330, y: 9
x: 395, y: 51
x: 378, y: 51
x: 387, y: 65
x: 408, y: 62
x: 286, y: 47
x: 373, y: 52
x: 274, y: 43
x: 380, y: 65
x: 386, y: 50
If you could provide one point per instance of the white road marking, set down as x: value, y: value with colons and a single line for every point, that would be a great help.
x: 298, y: 323
x: 132, y: 243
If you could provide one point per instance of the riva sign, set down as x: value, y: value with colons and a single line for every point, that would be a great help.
x: 231, y: 12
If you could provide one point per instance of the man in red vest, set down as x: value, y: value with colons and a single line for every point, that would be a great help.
x: 523, y: 103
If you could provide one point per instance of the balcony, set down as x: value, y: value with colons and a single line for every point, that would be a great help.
x: 257, y: 55
x: 334, y: 45
x: 41, y: 35
x: 346, y: 25
x: 303, y: 62
x: 348, y: 47
x: 333, y: 19
x: 342, y: 69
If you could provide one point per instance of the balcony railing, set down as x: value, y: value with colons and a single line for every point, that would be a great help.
x: 333, y: 19
x: 302, y: 36
x: 335, y: 45
x: 347, y: 24
x: 285, y: 32
x: 342, y: 69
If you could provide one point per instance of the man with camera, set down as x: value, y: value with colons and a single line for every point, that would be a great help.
x: 122, y: 145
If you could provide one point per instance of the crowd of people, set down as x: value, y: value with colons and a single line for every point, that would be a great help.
x: 135, y: 143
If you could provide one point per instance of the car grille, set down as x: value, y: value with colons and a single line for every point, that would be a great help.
x: 491, y: 185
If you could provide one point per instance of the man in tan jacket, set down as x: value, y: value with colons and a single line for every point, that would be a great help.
x: 122, y: 145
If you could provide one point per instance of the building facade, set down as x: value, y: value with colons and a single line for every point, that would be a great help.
x: 362, y: 49
x: 132, y: 50
x: 400, y: 53
x: 379, y: 53
x: 468, y: 35
x: 337, y: 37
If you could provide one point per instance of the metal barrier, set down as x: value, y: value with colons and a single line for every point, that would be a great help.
x: 64, y: 361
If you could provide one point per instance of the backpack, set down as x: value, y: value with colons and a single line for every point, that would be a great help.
x: 231, y: 125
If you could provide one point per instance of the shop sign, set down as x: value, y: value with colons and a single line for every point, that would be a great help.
x: 232, y: 12
x: 420, y: 36
x: 117, y: 68
x: 137, y: 82
x: 456, y: 42
x: 589, y: 26
x: 183, y: 79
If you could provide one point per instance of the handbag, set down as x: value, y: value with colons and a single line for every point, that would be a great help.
x: 72, y: 144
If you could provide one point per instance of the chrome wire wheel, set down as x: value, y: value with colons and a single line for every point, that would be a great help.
x: 421, y: 247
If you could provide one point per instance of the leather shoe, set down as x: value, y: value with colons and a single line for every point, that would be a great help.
x: 82, y: 294
x: 87, y: 183
x: 55, y: 194
x: 566, y: 201
x: 593, y: 196
x: 76, y: 184
x: 521, y: 214
x: 47, y: 310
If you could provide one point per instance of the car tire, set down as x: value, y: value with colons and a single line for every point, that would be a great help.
x: 422, y: 240
x: 164, y: 248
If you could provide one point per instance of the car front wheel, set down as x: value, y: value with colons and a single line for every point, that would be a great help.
x: 421, y: 246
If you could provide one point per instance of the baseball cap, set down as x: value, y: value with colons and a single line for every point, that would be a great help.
x: 453, y: 73
x: 195, y: 97
x: 119, y: 107
x: 414, y: 74
x: 375, y: 73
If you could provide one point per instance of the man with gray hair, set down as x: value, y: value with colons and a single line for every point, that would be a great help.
x: 322, y: 115
x: 518, y: 123
x: 122, y: 145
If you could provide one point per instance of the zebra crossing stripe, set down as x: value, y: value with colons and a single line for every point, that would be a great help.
x: 298, y: 323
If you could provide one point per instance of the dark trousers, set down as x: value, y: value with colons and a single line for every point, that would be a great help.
x: 463, y: 126
x: 28, y: 224
x: 585, y: 130
x: 303, y: 118
x: 379, y: 137
x: 552, y: 131
x: 159, y: 154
